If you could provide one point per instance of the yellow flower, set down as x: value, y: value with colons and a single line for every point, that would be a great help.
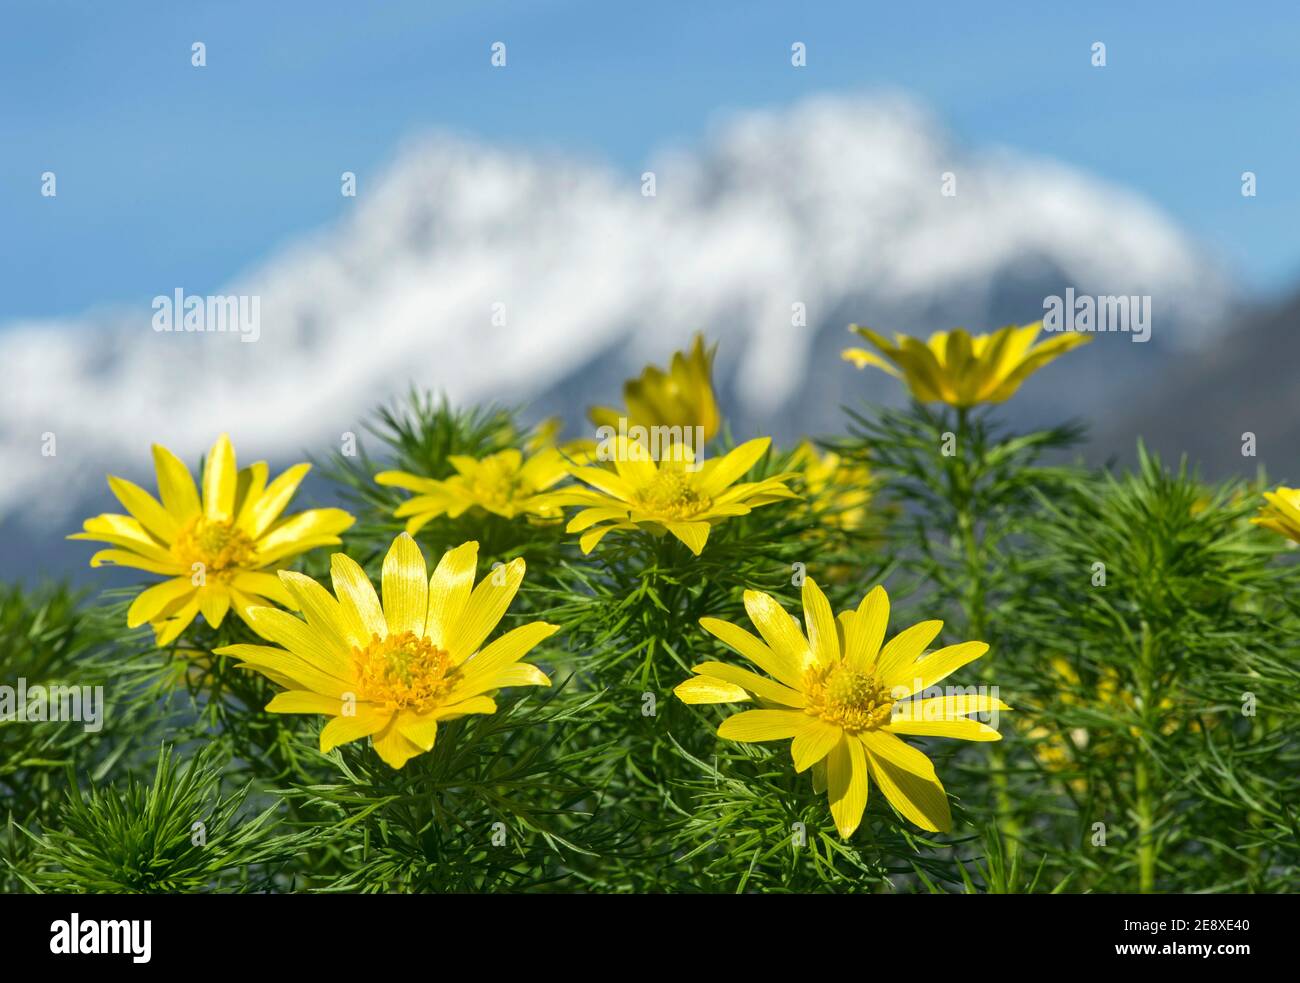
x: 504, y: 484
x: 393, y: 670
x: 961, y: 370
x: 840, y: 490
x: 843, y: 698
x: 1054, y: 750
x: 681, y: 397
x: 217, y: 551
x: 676, y: 495
x: 1281, y: 513
x: 544, y: 435
x: 1238, y: 496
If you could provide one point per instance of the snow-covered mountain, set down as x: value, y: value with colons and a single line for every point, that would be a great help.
x: 833, y: 204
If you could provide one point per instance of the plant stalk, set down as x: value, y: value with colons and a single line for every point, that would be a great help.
x: 963, y: 478
x: 1146, y: 846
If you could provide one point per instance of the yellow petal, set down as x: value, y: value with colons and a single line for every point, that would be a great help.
x: 889, y: 748
x: 125, y: 558
x: 632, y: 462
x: 358, y: 603
x: 750, y: 726
x: 705, y: 689
x: 279, y: 664
x: 779, y: 666
x: 607, y: 481
x: 481, y: 670
x: 411, y: 482
x: 778, y: 629
x: 903, y: 649
x: 520, y: 674
x: 920, y: 801
x: 150, y: 603
x: 219, y: 479
x: 946, y: 707
x: 961, y: 728
x: 266, y: 585
x: 214, y: 602
x: 175, y: 485
x: 861, y: 358
x: 259, y: 515
x: 145, y: 509
x: 449, y: 591
x: 588, y: 540
x: 869, y: 626
x: 324, y: 651
x: 405, y: 587
x: 420, y: 730
x: 324, y: 614
x: 484, y: 610
x: 720, y: 474
x: 365, y: 721
x: 305, y: 701
x: 846, y: 785
x: 819, y: 777
x: 301, y: 532
x: 813, y: 743
x: 475, y: 704
x: 768, y: 689
x: 166, y: 632
x: 693, y: 534
x: 394, y: 747
x: 589, y: 517
x: 935, y: 667
x: 126, y: 532
x: 249, y: 488
x: 823, y: 635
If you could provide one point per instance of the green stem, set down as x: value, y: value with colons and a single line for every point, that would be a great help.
x: 1146, y: 846
x: 962, y: 484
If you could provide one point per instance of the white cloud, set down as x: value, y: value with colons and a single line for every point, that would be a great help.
x: 829, y: 202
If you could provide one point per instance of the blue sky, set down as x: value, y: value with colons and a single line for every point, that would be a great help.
x: 170, y: 175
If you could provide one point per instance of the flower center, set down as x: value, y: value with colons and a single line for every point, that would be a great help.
x: 404, y: 672
x: 217, y: 544
x: 847, y: 697
x: 671, y: 495
x: 496, y: 482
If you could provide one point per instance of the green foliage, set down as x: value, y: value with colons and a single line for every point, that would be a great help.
x: 47, y: 641
x: 178, y: 833
x: 1166, y: 692
x: 1128, y: 696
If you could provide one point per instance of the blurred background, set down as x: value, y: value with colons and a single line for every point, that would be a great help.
x: 500, y: 245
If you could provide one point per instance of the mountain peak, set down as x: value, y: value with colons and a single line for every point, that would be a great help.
x: 503, y: 275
